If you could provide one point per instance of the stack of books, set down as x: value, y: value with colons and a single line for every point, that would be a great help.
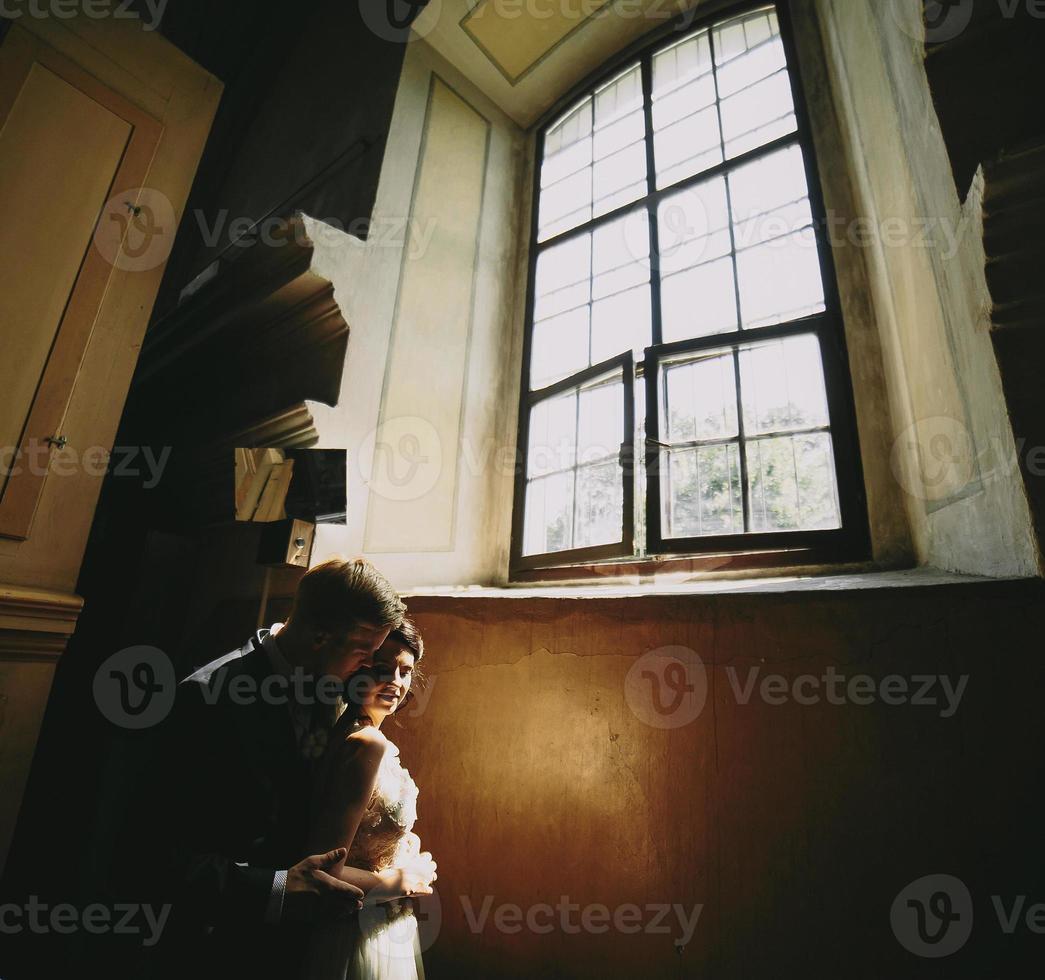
x: 262, y: 480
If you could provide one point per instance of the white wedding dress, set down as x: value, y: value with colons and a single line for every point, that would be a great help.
x: 383, y: 942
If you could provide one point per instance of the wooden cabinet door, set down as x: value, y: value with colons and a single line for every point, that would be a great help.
x: 71, y: 152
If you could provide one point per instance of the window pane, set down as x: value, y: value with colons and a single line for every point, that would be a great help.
x: 621, y: 323
x: 748, y: 50
x: 610, y: 265
x: 701, y: 400
x: 793, y: 484
x: 559, y: 348
x: 549, y: 510
x: 600, y: 423
x: 782, y: 385
x: 563, y: 278
x: 754, y: 86
x: 621, y: 269
x: 693, y: 226
x: 553, y: 435
x: 699, y: 302
x: 686, y: 131
x: 698, y: 294
x: 703, y: 495
x: 620, y: 256
x: 780, y: 280
x: 619, y: 174
x: 620, y: 178
x: 682, y: 63
x: 566, y: 189
x: 600, y: 505
x: 575, y: 483
x: 770, y: 198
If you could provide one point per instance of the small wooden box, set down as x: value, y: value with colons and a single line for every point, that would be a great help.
x: 286, y: 542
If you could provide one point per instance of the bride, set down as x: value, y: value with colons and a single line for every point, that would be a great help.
x: 365, y: 801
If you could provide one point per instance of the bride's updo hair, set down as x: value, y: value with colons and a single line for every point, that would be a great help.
x: 408, y: 635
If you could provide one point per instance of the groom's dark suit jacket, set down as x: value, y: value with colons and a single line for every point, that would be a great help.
x: 228, y: 797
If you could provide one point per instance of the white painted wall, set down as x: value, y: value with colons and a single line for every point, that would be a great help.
x: 367, y: 278
x: 953, y: 450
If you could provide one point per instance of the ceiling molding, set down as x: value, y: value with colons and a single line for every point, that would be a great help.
x: 503, y: 41
x: 525, y: 56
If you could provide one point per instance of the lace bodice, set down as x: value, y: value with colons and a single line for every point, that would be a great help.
x: 385, y: 837
x: 383, y: 943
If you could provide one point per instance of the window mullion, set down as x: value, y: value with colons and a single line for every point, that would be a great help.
x: 576, y: 463
x: 742, y: 438
x: 651, y: 200
x: 744, y: 476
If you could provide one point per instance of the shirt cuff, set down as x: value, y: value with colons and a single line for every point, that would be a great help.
x: 274, y: 909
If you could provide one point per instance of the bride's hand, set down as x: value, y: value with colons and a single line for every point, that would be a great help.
x: 406, y: 882
x: 423, y: 865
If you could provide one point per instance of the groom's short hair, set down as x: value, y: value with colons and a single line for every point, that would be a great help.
x: 336, y: 595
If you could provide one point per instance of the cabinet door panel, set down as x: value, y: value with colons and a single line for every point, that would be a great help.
x: 59, y: 152
x: 68, y: 144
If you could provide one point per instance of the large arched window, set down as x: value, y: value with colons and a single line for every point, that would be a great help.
x: 686, y: 387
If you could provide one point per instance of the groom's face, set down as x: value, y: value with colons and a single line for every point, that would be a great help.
x: 343, y: 654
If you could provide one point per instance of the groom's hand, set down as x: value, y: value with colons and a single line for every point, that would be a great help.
x: 314, y: 889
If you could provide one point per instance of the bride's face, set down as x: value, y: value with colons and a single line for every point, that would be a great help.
x: 392, y: 673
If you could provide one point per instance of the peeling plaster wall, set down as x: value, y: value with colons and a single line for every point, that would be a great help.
x: 953, y: 451
x: 422, y: 473
x: 795, y: 826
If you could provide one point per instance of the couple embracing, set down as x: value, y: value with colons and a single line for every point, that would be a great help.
x: 281, y: 819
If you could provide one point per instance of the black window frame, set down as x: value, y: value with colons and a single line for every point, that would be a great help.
x: 849, y: 542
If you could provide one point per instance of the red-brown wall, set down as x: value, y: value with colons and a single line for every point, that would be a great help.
x: 795, y: 826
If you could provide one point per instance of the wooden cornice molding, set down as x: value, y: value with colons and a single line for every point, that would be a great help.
x: 291, y: 428
x: 265, y: 334
x: 264, y: 285
x: 35, y: 624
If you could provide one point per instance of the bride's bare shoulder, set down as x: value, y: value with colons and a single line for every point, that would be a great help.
x: 366, y: 740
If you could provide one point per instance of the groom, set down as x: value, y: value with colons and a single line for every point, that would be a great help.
x: 231, y: 799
